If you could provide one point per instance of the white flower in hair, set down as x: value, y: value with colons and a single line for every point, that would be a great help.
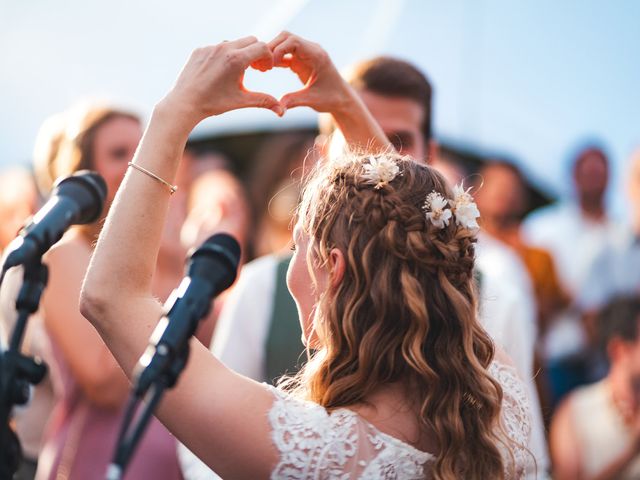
x: 436, y: 210
x: 380, y: 171
x: 465, y: 208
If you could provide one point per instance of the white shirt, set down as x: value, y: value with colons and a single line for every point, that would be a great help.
x: 243, y: 326
x: 572, y: 240
x: 615, y: 271
x: 604, y: 436
x: 240, y: 338
x: 508, y: 313
x: 507, y: 306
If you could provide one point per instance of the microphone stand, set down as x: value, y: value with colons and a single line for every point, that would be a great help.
x: 18, y: 371
x: 150, y: 385
x: 211, y: 270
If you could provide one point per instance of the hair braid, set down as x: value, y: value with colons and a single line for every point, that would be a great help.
x: 404, y: 312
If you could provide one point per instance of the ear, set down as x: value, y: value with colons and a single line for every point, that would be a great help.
x: 337, y: 267
x: 616, y: 349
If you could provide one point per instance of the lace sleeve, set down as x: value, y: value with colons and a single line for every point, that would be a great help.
x: 515, y: 418
x: 306, y: 436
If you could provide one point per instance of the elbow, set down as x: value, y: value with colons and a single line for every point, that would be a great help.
x: 96, y: 294
x: 94, y: 304
x: 106, y: 396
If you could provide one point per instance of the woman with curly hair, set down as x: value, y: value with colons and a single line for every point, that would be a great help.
x: 403, y: 382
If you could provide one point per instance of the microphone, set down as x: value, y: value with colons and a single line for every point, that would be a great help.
x: 76, y: 200
x: 211, y: 269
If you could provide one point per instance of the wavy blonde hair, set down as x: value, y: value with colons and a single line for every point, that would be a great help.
x: 404, y: 312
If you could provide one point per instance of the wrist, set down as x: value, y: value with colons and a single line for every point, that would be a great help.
x: 356, y: 123
x: 167, y: 131
x: 348, y: 103
x: 175, y: 114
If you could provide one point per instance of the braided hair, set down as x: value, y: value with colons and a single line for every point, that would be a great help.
x: 405, y: 310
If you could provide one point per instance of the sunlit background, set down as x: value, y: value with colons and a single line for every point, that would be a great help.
x: 529, y: 80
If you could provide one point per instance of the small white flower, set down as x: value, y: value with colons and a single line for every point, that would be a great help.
x: 380, y: 171
x: 467, y: 214
x: 460, y: 195
x: 436, y: 210
x: 465, y: 208
x: 435, y: 201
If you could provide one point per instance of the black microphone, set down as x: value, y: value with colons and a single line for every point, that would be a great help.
x: 211, y: 269
x: 76, y: 200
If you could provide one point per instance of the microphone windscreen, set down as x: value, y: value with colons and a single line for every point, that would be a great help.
x: 225, y: 243
x: 88, y: 189
x: 217, y: 258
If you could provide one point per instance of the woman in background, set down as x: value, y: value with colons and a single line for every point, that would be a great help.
x: 91, y: 387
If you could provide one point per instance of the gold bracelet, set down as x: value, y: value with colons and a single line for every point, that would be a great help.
x: 172, y: 188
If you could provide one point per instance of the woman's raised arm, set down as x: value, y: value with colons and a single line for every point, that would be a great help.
x: 212, y: 410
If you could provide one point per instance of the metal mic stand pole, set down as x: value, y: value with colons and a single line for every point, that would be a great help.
x: 152, y: 391
x: 18, y: 371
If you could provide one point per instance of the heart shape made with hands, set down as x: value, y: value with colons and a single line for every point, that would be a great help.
x: 276, y: 81
x: 320, y: 80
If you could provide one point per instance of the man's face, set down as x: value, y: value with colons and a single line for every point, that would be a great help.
x: 401, y: 120
x: 591, y: 173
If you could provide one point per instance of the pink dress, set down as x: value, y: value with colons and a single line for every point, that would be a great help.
x: 80, y: 439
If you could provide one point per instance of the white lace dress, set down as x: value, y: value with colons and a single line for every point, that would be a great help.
x: 314, y: 444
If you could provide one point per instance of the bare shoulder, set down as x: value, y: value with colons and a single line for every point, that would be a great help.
x: 70, y: 250
x: 564, y: 442
x: 563, y: 411
x: 68, y: 261
x: 562, y: 424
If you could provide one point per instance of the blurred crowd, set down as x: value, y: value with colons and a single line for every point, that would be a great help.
x: 559, y: 285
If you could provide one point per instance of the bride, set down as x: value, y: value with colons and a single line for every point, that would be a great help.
x: 403, y: 382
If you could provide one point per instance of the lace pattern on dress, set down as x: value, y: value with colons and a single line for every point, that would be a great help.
x: 315, y: 444
x: 516, y: 419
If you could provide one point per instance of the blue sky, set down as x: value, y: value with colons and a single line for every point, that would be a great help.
x: 527, y: 79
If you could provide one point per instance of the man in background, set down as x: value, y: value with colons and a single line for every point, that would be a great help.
x: 616, y: 268
x: 573, y: 232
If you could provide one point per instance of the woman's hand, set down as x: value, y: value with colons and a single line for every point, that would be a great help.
x: 326, y: 91
x: 324, y: 88
x: 211, y: 81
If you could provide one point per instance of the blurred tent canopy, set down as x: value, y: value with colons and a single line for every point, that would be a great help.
x: 532, y: 79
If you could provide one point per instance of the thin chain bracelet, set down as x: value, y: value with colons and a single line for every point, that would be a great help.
x: 172, y: 188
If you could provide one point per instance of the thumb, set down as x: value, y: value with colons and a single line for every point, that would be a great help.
x: 300, y: 98
x: 262, y: 100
